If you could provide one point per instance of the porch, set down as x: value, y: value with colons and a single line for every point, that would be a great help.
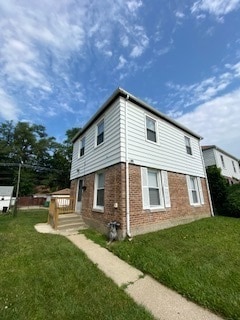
x: 62, y: 215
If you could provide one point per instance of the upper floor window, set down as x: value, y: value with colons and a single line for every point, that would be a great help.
x: 222, y: 161
x: 234, y: 168
x: 82, y: 146
x: 100, y: 132
x: 188, y: 145
x: 151, y: 129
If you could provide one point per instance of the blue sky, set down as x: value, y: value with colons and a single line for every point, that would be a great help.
x: 60, y: 60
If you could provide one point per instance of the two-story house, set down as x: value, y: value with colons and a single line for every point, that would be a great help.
x: 229, y: 165
x: 135, y: 165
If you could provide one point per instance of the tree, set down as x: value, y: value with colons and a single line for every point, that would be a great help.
x: 218, y: 188
x: 30, y: 145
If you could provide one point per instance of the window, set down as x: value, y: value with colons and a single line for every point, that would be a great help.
x: 100, y: 132
x: 82, y: 146
x: 155, y: 189
x: 188, y: 145
x: 222, y: 160
x: 151, y: 129
x: 99, y: 191
x: 234, y: 168
x: 195, y: 190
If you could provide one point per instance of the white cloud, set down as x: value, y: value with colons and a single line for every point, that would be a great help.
x: 215, y: 7
x: 142, y: 42
x: 217, y: 121
x: 188, y: 95
x: 43, y: 41
x: 122, y: 62
x: 8, y: 108
x: 179, y: 14
x: 134, y: 5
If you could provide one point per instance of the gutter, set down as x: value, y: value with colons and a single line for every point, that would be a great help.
x: 127, y: 171
x: 207, y: 184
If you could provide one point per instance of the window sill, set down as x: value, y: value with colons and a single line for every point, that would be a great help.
x: 153, y: 210
x: 196, y: 204
x: 99, y: 210
x: 150, y: 141
x: 98, y: 145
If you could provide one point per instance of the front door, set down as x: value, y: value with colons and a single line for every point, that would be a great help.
x: 79, y: 196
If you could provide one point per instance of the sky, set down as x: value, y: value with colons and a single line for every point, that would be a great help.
x: 61, y: 60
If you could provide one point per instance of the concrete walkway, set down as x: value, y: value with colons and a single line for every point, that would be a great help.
x: 162, y: 302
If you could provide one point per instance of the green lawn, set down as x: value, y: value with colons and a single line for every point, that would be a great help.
x: 201, y: 260
x: 45, y: 276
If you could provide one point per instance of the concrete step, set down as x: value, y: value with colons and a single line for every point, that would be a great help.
x: 73, y: 226
x: 71, y: 222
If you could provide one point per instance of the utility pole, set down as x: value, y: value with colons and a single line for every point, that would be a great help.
x: 17, y: 192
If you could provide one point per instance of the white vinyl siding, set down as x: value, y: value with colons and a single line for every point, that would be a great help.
x: 106, y: 154
x: 209, y: 157
x: 99, y: 192
x: 229, y: 164
x: 168, y: 154
x: 155, y: 190
x: 195, y: 190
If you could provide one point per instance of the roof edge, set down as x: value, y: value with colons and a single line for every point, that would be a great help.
x: 119, y: 92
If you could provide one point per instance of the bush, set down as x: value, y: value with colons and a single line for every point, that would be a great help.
x: 232, y: 206
x: 218, y: 188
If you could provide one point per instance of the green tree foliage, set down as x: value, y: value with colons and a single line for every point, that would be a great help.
x: 218, y: 188
x: 225, y: 197
x: 44, y: 161
x: 233, y: 201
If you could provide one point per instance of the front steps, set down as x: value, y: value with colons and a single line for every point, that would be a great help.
x: 70, y: 222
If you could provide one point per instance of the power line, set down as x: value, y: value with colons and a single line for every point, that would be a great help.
x: 29, y: 166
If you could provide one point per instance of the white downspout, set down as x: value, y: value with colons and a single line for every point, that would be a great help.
x: 127, y: 171
x: 207, y: 184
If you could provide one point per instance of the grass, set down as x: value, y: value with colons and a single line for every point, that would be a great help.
x: 200, y: 260
x: 45, y: 276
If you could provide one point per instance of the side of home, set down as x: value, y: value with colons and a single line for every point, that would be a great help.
x: 135, y: 165
x: 228, y: 164
x: 5, y: 197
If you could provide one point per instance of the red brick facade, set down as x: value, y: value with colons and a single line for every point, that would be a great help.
x: 141, y: 221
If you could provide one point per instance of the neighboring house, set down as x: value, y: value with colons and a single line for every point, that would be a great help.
x: 229, y: 165
x: 5, y: 197
x: 134, y: 165
x: 63, y: 196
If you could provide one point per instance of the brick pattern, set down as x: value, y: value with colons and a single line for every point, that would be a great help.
x: 141, y: 221
x: 145, y: 220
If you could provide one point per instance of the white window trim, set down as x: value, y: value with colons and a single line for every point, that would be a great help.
x: 163, y: 187
x: 80, y: 147
x: 234, y: 167
x: 96, y: 133
x: 95, y: 206
x: 156, y: 128
x: 223, y: 164
x: 198, y: 185
x: 190, y: 145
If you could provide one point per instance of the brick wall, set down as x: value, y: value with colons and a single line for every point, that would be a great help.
x: 141, y: 221
x: 180, y: 212
x: 114, y: 193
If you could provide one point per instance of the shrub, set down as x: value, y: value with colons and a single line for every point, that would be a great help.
x: 232, y: 206
x: 219, y: 189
